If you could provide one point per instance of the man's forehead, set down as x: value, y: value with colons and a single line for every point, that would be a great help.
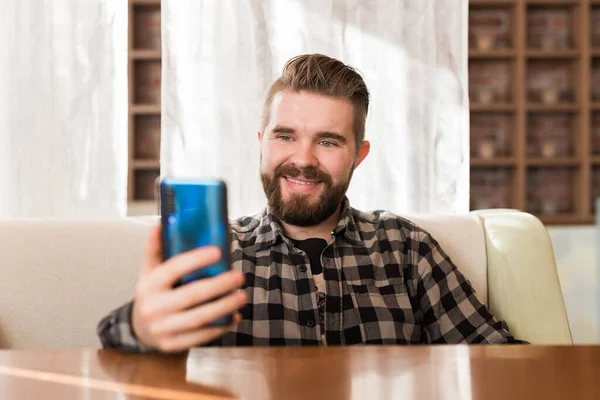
x: 303, y: 110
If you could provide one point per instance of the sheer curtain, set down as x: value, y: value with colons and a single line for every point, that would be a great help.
x: 63, y: 108
x: 220, y: 56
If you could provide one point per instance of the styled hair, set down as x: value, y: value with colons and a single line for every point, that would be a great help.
x: 320, y: 74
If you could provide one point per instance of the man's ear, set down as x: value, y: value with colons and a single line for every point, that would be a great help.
x: 259, y: 135
x: 363, y: 152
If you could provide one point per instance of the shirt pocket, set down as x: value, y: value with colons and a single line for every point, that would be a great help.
x: 385, y: 313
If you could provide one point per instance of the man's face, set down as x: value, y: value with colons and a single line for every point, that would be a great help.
x: 308, y: 154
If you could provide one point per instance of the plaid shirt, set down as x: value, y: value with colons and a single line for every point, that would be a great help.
x: 386, y: 280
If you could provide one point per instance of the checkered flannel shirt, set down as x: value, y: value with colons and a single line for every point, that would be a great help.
x: 387, y: 282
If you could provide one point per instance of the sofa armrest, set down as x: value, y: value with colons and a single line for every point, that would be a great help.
x: 523, y: 283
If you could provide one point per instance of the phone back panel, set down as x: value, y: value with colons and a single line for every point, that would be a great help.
x: 194, y: 214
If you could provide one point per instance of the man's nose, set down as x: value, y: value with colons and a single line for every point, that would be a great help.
x: 305, y: 156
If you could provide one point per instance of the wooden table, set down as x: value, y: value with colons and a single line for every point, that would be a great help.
x: 368, y: 372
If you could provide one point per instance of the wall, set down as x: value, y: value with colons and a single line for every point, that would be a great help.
x: 575, y: 248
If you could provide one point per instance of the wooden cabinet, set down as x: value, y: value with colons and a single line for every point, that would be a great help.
x: 144, y: 104
x: 534, y: 86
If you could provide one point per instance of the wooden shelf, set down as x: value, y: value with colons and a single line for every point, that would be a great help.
x: 145, y: 2
x: 491, y: 54
x: 553, y: 2
x: 498, y: 107
x: 144, y: 103
x: 552, y: 162
x: 535, y: 54
x: 491, y: 2
x: 142, y: 207
x: 493, y: 162
x: 576, y: 72
x: 145, y: 54
x: 145, y: 109
x: 532, y: 107
x: 144, y: 164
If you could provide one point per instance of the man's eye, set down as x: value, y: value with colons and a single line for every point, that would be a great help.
x: 327, y: 143
x: 284, y: 138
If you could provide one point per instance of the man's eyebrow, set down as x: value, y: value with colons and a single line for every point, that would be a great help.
x: 283, y: 129
x: 332, y: 135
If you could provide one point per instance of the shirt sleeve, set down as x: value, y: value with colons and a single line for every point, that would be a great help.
x: 449, y: 310
x: 115, y: 331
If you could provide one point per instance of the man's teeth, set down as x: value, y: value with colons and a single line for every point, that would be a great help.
x: 301, y: 182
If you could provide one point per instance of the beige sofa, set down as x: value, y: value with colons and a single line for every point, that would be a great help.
x: 59, y: 277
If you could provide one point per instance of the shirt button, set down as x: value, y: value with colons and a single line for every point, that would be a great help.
x: 310, y: 323
x: 302, y: 268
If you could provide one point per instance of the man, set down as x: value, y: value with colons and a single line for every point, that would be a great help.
x: 312, y: 269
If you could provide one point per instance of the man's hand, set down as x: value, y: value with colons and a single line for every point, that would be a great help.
x: 174, y: 320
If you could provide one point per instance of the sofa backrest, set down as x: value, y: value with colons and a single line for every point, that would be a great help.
x: 60, y: 277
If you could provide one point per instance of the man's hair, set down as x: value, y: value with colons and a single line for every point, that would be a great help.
x: 320, y: 74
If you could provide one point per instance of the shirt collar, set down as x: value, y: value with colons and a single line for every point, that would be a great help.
x: 347, y: 224
x: 270, y: 232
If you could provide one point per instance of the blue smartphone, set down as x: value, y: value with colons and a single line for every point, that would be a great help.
x: 194, y: 214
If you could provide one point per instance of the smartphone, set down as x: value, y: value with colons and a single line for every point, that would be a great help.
x: 194, y: 214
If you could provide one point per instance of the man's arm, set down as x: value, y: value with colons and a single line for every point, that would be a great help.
x: 115, y: 331
x: 449, y: 311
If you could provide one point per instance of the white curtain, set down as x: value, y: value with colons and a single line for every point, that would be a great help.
x: 63, y: 108
x: 220, y: 56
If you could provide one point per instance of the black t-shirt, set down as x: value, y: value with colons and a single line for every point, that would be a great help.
x: 313, y: 248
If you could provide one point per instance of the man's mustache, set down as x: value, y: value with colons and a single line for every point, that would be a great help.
x: 312, y: 173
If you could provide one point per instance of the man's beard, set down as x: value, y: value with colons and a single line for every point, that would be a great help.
x: 299, y: 210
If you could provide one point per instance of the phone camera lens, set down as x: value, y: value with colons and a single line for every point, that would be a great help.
x: 169, y: 201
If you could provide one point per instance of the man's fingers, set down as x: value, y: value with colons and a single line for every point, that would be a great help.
x: 192, y: 294
x: 199, y: 316
x: 153, y: 253
x: 176, y: 267
x: 194, y: 338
